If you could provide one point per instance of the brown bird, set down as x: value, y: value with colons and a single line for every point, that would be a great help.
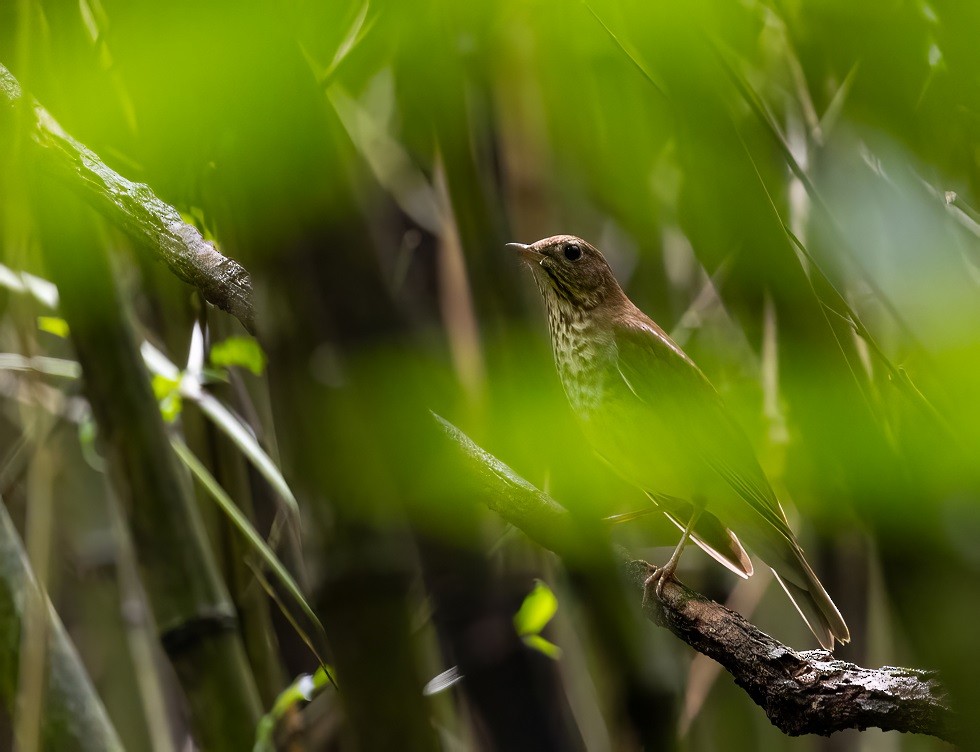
x: 649, y: 412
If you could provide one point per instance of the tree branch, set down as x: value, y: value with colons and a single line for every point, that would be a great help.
x: 806, y: 692
x: 133, y: 207
x: 801, y: 692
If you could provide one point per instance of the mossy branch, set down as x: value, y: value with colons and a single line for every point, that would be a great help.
x: 801, y: 692
x: 131, y: 206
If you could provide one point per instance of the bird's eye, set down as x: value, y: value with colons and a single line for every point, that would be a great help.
x: 572, y: 251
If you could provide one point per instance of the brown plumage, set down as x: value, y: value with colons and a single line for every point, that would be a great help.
x: 653, y: 416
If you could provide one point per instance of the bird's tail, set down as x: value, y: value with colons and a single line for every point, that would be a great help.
x: 812, y: 602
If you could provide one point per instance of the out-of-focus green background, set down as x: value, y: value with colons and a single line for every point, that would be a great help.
x: 789, y: 188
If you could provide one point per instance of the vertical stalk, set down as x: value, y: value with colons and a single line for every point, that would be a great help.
x: 74, y: 717
x: 251, y: 601
x: 197, y: 622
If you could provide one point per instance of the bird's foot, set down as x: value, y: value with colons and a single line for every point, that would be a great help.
x: 658, y: 576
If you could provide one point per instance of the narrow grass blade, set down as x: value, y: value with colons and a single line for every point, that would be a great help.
x: 632, y: 57
x: 236, y: 430
x: 227, y: 421
x: 65, y: 369
x: 245, y: 527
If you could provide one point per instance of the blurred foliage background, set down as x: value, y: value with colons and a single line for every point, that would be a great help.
x: 787, y: 187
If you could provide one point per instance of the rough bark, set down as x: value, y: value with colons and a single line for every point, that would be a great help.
x: 133, y: 207
x: 801, y: 692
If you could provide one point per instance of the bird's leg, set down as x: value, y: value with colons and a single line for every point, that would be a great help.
x: 666, y: 572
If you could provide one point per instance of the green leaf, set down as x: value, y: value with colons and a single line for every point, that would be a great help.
x: 234, y: 427
x: 304, y: 689
x: 323, y: 677
x: 213, y: 376
x: 53, y: 325
x: 539, y: 643
x: 239, y: 351
x: 167, y: 392
x: 536, y: 611
x: 170, y: 407
x: 244, y: 526
x: 163, y: 386
x: 236, y: 430
x: 263, y: 734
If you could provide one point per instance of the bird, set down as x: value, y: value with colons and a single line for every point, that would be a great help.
x: 650, y: 412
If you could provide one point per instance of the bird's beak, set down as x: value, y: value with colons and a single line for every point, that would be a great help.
x: 527, y: 253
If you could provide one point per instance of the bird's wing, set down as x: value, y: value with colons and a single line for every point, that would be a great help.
x: 658, y: 373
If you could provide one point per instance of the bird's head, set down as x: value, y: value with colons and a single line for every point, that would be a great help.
x: 568, y: 269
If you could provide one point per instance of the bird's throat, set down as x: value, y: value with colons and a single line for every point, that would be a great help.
x: 584, y: 351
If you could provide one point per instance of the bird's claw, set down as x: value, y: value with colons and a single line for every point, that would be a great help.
x: 658, y: 576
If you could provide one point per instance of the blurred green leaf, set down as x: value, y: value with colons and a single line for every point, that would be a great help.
x: 171, y: 406
x: 304, y: 689
x: 239, y: 351
x: 234, y: 427
x: 539, y: 643
x: 167, y: 392
x: 53, y: 325
x: 163, y: 385
x: 538, y: 608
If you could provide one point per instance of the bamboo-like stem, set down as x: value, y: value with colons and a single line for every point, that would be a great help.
x: 74, y: 717
x: 190, y: 603
x: 234, y: 553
